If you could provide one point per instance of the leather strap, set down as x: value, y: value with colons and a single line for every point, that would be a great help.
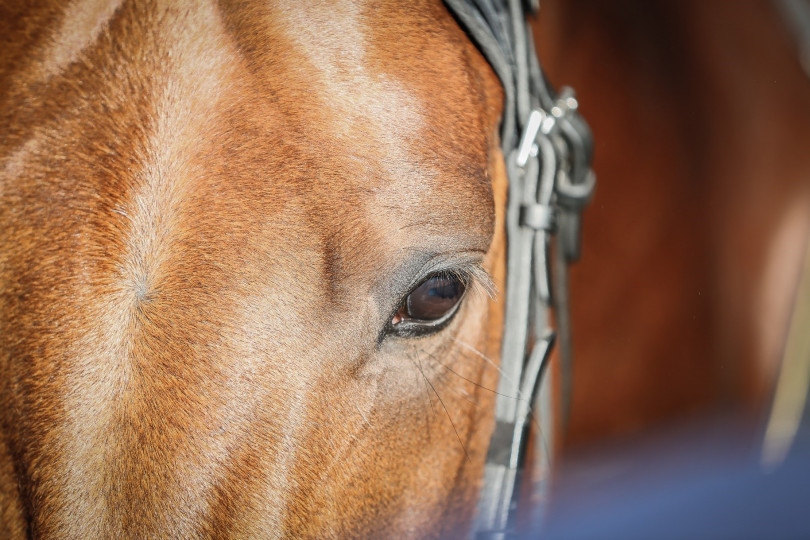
x: 548, y: 152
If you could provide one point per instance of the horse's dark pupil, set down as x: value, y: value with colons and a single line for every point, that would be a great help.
x: 434, y: 298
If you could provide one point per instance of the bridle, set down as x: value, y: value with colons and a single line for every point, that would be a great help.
x: 548, y: 150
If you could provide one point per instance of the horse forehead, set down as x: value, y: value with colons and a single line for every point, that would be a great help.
x: 378, y: 101
x: 378, y: 92
x: 280, y: 108
x: 353, y: 100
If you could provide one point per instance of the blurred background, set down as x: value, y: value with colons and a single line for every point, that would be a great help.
x: 692, y: 252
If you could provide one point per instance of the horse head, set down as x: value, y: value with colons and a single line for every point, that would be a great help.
x: 249, y: 263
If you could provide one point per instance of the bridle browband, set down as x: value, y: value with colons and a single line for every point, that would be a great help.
x: 548, y: 151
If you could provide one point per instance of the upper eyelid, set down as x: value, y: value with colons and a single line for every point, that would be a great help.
x: 393, y: 288
x: 474, y: 276
x: 469, y: 266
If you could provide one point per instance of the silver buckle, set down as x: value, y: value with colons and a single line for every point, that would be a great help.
x: 574, y: 181
x: 546, y: 123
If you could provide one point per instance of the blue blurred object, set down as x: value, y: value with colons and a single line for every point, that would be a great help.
x: 703, y: 481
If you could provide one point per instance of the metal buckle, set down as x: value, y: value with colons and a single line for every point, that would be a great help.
x: 542, y: 137
x: 574, y: 181
x: 545, y: 123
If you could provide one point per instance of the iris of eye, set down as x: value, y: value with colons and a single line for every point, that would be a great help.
x: 434, y: 298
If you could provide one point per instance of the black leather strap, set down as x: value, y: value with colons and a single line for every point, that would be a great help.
x: 548, y: 151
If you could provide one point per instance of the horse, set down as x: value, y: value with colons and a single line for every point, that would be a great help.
x: 249, y: 267
x: 224, y: 228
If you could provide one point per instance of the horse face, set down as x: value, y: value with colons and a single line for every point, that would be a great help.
x: 213, y: 219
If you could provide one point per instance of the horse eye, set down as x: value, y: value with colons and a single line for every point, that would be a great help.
x: 430, y: 305
x: 434, y: 298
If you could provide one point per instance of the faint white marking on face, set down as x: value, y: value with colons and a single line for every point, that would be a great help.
x: 370, y: 110
x: 102, y: 374
x: 83, y: 21
x: 14, y: 164
x: 376, y: 118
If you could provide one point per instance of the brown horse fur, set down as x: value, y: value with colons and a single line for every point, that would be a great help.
x: 209, y: 211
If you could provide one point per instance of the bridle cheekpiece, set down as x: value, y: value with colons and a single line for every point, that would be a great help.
x: 548, y: 150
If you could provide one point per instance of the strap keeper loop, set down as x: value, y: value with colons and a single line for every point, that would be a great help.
x: 540, y: 217
x: 575, y: 196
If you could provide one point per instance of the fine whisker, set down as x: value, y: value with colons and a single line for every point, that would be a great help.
x: 425, y: 382
x: 454, y: 372
x: 488, y: 361
x: 519, y: 398
x: 460, y: 391
x: 453, y: 424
